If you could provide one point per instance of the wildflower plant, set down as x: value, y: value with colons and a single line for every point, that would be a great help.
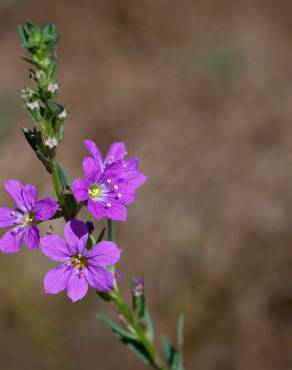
x: 109, y: 185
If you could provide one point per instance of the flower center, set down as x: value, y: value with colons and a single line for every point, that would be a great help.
x: 29, y: 218
x: 94, y: 191
x: 79, y: 261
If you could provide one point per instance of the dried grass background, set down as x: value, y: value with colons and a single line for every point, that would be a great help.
x: 201, y: 91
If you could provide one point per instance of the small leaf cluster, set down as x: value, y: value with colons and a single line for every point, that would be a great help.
x: 41, y: 102
x: 138, y: 321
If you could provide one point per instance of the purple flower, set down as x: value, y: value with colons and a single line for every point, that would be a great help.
x: 109, y: 184
x: 24, y: 219
x: 80, y: 266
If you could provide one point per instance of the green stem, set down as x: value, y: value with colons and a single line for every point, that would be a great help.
x: 59, y: 190
x: 127, y: 314
x: 111, y: 230
x: 138, y: 329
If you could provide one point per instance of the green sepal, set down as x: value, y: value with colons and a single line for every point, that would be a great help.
x: 104, y: 295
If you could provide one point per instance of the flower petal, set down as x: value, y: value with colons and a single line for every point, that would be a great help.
x: 45, y: 209
x: 93, y: 150
x: 29, y: 195
x: 103, y: 254
x: 76, y: 234
x: 8, y: 217
x: 100, y: 278
x: 55, y: 248
x: 32, y: 237
x: 92, y: 169
x: 117, y: 211
x: 10, y: 242
x: 80, y: 189
x: 125, y: 194
x: 97, y: 209
x: 77, y: 287
x: 117, y: 152
x: 14, y: 189
x: 133, y: 178
x: 131, y: 164
x: 56, y: 279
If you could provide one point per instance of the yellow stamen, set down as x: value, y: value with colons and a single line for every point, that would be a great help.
x: 94, y: 191
x: 29, y: 218
x: 79, y: 261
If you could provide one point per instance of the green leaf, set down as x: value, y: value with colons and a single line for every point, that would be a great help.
x: 54, y: 107
x: 140, y: 351
x: 118, y: 331
x: 180, y: 333
x: 59, y: 134
x: 32, y: 27
x: 22, y: 34
x: 29, y: 60
x: 45, y: 160
x: 101, y: 235
x: 168, y: 349
x: 149, y: 324
x: 65, y: 182
x: 35, y: 121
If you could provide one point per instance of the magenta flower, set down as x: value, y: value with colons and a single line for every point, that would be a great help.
x: 24, y: 219
x: 80, y: 266
x: 110, y: 184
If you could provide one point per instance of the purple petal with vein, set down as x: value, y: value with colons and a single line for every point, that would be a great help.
x: 56, y: 279
x: 8, y: 217
x: 100, y: 278
x: 91, y: 169
x: 103, y: 254
x: 55, y: 248
x: 29, y: 195
x: 14, y: 190
x: 10, y: 242
x: 45, y: 209
x: 77, y: 287
x: 117, y: 152
x: 80, y: 189
x: 73, y: 231
x: 92, y: 149
x: 32, y: 237
x: 97, y: 210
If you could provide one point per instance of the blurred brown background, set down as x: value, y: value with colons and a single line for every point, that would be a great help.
x: 201, y: 91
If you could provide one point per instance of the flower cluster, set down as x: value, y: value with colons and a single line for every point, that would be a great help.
x: 109, y: 185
